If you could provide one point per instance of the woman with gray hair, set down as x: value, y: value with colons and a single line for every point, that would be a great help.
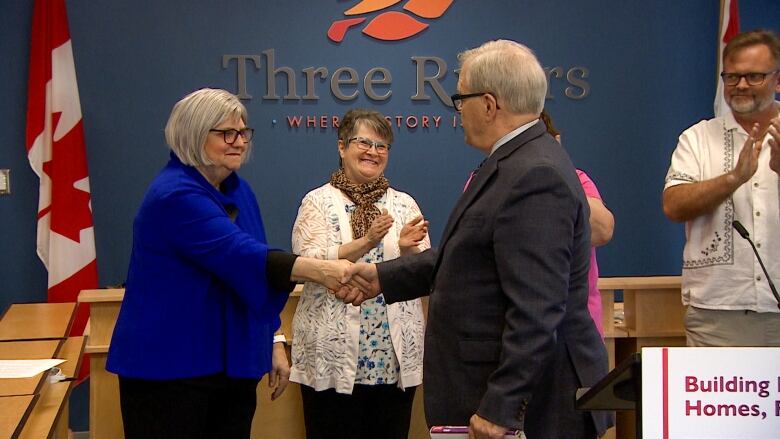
x: 204, y: 289
x: 351, y: 359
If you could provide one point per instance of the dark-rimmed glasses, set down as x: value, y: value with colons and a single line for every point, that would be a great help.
x: 364, y: 144
x: 457, y: 98
x: 230, y: 135
x: 752, y: 78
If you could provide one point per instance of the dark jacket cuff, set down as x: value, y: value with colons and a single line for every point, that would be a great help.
x: 278, y: 269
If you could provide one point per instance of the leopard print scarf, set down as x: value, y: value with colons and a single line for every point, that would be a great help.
x: 364, y: 196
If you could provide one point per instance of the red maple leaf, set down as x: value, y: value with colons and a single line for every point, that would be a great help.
x: 70, y: 211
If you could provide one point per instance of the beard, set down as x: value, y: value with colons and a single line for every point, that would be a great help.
x: 749, y: 103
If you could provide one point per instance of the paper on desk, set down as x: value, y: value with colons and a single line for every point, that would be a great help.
x: 26, y: 368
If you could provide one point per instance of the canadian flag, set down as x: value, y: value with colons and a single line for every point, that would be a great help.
x: 55, y: 148
x: 729, y: 26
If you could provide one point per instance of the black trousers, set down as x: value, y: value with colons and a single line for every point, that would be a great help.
x: 212, y: 406
x: 381, y: 412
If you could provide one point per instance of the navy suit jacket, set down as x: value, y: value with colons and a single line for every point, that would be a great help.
x: 509, y: 336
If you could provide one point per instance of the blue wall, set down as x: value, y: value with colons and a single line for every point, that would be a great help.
x: 651, y: 74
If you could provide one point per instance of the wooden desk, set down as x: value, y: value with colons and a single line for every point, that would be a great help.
x: 71, y: 349
x: 49, y: 415
x: 35, y: 321
x: 14, y: 411
x: 38, y: 409
x: 26, y: 350
x: 48, y: 411
x: 652, y: 306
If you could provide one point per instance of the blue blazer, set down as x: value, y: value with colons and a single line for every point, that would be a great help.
x: 197, y: 300
x: 509, y: 336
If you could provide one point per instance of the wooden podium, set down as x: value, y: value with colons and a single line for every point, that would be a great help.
x: 652, y: 315
x: 105, y: 418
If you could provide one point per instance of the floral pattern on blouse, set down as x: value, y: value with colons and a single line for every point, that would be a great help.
x: 377, y: 363
x: 332, y: 340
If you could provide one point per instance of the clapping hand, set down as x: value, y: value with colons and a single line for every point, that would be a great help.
x: 747, y: 162
x: 379, y: 228
x: 774, y: 144
x: 412, y: 235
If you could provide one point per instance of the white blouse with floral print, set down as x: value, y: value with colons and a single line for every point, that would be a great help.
x: 336, y: 345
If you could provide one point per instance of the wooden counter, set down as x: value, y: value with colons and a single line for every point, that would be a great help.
x: 36, y: 408
x: 652, y: 316
x: 14, y: 412
x: 34, y: 321
x: 26, y: 350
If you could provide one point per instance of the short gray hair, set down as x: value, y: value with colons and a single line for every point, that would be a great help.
x: 193, y: 117
x: 509, y: 71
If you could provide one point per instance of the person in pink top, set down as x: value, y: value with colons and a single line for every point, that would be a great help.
x: 602, y: 224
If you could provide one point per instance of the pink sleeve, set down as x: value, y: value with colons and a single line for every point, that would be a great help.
x: 588, y: 186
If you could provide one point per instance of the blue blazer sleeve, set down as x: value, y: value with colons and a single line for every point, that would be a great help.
x: 203, y: 234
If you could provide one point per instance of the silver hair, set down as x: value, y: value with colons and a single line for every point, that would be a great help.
x: 509, y: 71
x: 191, y: 119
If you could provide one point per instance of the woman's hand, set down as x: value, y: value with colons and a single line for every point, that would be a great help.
x: 279, y: 376
x: 360, y: 283
x: 332, y: 272
x: 326, y: 272
x: 379, y: 228
x: 412, y: 235
x: 355, y: 249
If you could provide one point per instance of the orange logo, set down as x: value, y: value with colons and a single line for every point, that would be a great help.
x: 389, y: 25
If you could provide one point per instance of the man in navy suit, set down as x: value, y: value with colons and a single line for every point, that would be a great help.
x: 509, y: 337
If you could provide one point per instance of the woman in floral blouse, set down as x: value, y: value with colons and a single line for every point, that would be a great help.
x: 350, y: 360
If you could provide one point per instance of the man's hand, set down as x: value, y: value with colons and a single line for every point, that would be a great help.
x: 279, y: 376
x: 774, y: 144
x: 361, y: 282
x: 747, y: 163
x: 379, y: 228
x: 481, y: 428
x: 412, y: 234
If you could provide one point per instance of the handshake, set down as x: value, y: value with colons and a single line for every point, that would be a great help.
x: 351, y: 282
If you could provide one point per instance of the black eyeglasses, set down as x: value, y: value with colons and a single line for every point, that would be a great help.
x: 364, y: 144
x: 230, y: 135
x: 752, y: 78
x: 457, y: 98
